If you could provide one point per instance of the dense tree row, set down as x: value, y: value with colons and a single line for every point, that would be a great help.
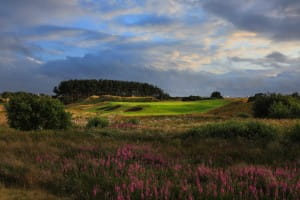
x: 73, y: 90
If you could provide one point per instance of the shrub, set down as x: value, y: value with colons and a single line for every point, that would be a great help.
x: 97, y: 122
x: 253, y: 98
x: 279, y: 110
x: 276, y: 106
x: 294, y: 135
x: 228, y: 130
x: 32, y: 112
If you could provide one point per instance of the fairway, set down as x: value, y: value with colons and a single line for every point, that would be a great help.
x: 155, y: 108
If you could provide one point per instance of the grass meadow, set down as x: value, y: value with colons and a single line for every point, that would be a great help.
x: 220, y: 153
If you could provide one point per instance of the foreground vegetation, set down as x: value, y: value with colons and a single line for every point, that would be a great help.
x: 130, y: 163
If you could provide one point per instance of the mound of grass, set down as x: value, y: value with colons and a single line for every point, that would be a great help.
x: 228, y: 130
x: 97, y: 122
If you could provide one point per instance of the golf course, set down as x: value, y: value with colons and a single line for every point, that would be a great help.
x: 150, y: 108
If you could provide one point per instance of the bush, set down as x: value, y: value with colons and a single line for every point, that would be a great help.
x: 279, y: 110
x: 276, y: 106
x: 97, y: 122
x: 228, y: 130
x: 253, y: 98
x: 294, y: 135
x: 32, y: 112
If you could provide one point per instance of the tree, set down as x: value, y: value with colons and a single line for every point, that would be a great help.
x: 216, y: 95
x: 32, y: 112
x: 76, y: 90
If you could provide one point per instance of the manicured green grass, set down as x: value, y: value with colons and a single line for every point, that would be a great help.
x: 157, y: 108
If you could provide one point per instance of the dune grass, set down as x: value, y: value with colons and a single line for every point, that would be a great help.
x: 156, y: 108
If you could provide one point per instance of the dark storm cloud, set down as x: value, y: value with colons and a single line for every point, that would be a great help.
x: 277, y: 56
x: 275, y: 60
x: 50, y: 32
x: 278, y: 19
x: 133, y: 66
x: 16, y: 14
x: 149, y: 41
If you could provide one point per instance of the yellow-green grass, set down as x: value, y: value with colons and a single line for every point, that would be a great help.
x: 155, y: 108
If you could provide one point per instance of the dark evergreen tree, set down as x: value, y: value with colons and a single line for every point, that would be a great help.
x: 73, y: 90
x: 216, y: 95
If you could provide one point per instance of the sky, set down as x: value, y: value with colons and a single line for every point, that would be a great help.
x: 186, y: 47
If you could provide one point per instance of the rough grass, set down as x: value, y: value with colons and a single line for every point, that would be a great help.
x: 80, y: 163
x: 152, y: 108
x: 22, y: 194
x: 234, y: 109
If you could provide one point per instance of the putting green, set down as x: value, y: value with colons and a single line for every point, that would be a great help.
x: 156, y: 108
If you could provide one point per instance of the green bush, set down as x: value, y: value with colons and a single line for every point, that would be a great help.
x: 294, y: 135
x: 32, y: 112
x: 279, y: 110
x: 97, y: 122
x: 276, y: 106
x: 228, y: 130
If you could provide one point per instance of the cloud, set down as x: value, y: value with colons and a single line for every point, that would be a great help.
x: 234, y: 83
x: 276, y: 19
x: 32, y: 12
x: 184, y: 46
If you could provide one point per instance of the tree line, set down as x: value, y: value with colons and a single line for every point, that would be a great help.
x: 74, y: 90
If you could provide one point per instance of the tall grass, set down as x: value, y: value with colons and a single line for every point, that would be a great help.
x: 251, y: 130
x: 216, y: 161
